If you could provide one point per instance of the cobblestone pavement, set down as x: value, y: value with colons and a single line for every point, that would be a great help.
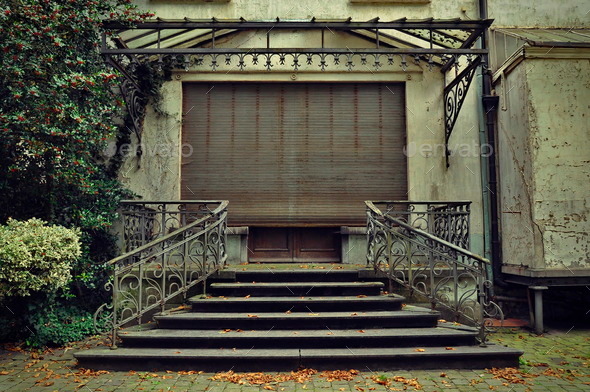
x: 556, y: 361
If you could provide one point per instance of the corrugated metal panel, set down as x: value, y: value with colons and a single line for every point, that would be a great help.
x: 294, y: 154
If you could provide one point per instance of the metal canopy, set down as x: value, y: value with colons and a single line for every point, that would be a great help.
x: 191, y: 44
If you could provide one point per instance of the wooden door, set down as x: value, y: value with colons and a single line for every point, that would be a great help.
x: 294, y: 244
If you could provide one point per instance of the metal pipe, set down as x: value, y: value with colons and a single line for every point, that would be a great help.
x: 490, y: 189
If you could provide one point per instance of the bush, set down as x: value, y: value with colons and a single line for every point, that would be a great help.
x: 57, y: 324
x: 35, y: 256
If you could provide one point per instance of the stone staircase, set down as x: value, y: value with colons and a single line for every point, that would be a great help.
x: 285, y: 319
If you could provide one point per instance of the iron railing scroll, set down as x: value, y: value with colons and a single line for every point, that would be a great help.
x: 171, y: 247
x: 416, y: 253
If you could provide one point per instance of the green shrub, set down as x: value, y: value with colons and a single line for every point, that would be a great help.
x: 57, y: 324
x: 35, y: 256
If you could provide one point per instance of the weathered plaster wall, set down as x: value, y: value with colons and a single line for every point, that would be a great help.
x: 520, y: 238
x: 539, y: 13
x: 507, y: 13
x: 155, y: 175
x: 306, y: 9
x: 560, y: 137
x: 544, y: 156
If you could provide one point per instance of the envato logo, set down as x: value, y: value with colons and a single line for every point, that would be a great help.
x: 164, y: 150
x: 463, y: 150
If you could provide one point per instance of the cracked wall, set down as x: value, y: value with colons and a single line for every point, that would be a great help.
x: 544, y: 161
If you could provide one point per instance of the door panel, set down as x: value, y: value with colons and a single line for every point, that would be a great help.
x: 317, y: 244
x: 265, y: 243
x: 294, y: 244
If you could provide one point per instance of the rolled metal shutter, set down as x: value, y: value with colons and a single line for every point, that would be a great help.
x: 294, y: 154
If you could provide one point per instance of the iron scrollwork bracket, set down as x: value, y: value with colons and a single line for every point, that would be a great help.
x: 135, y: 99
x: 454, y: 96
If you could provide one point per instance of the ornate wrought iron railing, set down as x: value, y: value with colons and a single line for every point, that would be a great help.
x: 145, y: 221
x: 446, y: 274
x: 448, y: 220
x: 148, y: 276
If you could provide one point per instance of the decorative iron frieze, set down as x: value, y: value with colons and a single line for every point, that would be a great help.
x: 391, y: 45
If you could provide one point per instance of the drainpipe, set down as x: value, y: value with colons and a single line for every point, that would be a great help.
x: 487, y: 108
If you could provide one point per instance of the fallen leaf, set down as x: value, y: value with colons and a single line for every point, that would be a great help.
x: 442, y: 321
x: 248, y: 296
x: 288, y: 312
x: 354, y: 314
x: 420, y: 350
x: 443, y: 374
x: 4, y: 373
x: 268, y: 388
x: 361, y: 296
x: 450, y: 348
x: 361, y: 331
x: 252, y: 316
x: 49, y: 383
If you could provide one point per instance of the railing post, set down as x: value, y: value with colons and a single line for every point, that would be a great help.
x: 456, y: 290
x: 165, y: 256
x: 183, y: 213
x: 482, y: 300
x: 142, y: 227
x: 389, y: 260
x: 368, y: 235
x: 204, y: 264
x: 141, y: 273
x: 220, y: 232
x: 185, y: 261
x: 115, y: 300
x: 163, y: 223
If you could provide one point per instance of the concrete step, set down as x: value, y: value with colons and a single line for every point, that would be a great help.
x: 299, y: 320
x: 330, y: 274
x: 254, y: 359
x: 322, y: 338
x: 296, y: 304
x: 296, y: 289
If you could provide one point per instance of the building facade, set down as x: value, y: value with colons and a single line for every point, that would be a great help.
x: 297, y: 146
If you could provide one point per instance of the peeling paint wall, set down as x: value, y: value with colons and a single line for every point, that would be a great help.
x: 520, y: 242
x: 560, y: 138
x: 306, y: 9
x: 544, y: 158
x: 539, y: 13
